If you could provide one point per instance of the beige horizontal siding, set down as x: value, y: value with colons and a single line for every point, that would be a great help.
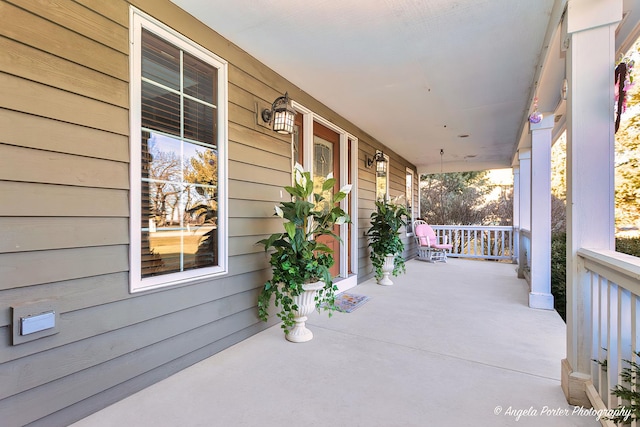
x: 115, y: 10
x: 77, y: 356
x: 267, y: 143
x: 78, y: 294
x: 79, y: 19
x: 29, y: 165
x: 255, y: 226
x: 251, y: 172
x: 255, y: 191
x: 70, y: 295
x: 58, y: 200
x: 47, y: 36
x: 259, y: 157
x: 251, y: 208
x: 34, y: 268
x: 245, y: 245
x: 33, y: 64
x: 26, y: 130
x: 23, y: 234
x: 41, y: 100
x: 86, y: 322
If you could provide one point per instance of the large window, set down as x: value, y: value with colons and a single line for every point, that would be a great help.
x: 178, y: 141
x: 409, y: 199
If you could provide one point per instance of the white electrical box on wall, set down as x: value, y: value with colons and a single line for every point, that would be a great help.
x: 37, y: 322
x: 34, y: 320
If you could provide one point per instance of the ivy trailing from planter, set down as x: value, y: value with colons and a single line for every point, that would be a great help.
x: 384, y: 236
x: 296, y: 256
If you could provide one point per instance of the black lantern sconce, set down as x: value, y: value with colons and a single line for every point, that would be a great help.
x: 282, y: 115
x: 380, y: 161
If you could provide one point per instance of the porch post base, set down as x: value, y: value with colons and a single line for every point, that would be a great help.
x: 541, y: 300
x: 574, y: 385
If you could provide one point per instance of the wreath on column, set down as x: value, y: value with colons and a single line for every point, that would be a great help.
x: 623, y: 80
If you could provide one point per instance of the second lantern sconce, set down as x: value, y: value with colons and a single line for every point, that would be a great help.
x: 379, y: 160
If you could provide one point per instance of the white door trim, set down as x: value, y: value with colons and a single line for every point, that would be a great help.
x: 347, y: 141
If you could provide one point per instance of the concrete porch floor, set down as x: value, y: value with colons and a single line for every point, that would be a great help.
x: 448, y: 344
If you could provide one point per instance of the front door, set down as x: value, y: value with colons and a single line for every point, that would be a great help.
x: 326, y: 159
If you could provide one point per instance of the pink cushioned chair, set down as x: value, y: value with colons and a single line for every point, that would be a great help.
x: 429, y: 248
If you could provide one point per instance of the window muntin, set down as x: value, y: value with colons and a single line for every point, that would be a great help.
x: 178, y: 89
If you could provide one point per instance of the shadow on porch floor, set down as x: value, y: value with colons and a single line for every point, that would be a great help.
x: 449, y: 344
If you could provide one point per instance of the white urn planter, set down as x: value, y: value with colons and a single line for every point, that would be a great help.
x: 306, y: 304
x: 387, y: 268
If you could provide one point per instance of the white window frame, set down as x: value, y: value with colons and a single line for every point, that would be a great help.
x: 410, y: 172
x: 347, y: 141
x: 138, y: 21
x: 387, y: 197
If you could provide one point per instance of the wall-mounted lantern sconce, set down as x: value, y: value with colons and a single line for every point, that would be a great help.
x: 282, y: 115
x: 380, y: 161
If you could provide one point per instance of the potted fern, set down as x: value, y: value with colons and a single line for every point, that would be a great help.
x: 301, y: 279
x: 384, y: 240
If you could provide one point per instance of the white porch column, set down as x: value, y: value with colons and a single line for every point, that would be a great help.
x: 541, y: 141
x: 524, y: 157
x: 590, y: 57
x: 516, y: 215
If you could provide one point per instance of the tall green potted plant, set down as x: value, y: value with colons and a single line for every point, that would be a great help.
x: 301, y: 279
x: 384, y: 240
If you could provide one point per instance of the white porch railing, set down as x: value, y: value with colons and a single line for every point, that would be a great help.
x: 475, y: 241
x: 524, y: 255
x: 612, y: 282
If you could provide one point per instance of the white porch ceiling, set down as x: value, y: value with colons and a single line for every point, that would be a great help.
x: 415, y: 74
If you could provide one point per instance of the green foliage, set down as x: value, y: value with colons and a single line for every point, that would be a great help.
x: 628, y: 391
x: 297, y: 257
x: 630, y: 245
x: 559, y: 272
x: 384, y: 236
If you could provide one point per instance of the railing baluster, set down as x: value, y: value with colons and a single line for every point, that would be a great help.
x: 596, y: 368
x: 604, y: 354
x: 624, y: 330
x: 614, y: 354
x: 634, y: 338
x: 475, y: 242
x: 468, y: 244
x: 484, y: 242
x: 614, y: 308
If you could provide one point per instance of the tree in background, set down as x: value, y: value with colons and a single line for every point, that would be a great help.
x: 559, y: 185
x: 627, y: 167
x: 462, y: 198
x: 627, y: 170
